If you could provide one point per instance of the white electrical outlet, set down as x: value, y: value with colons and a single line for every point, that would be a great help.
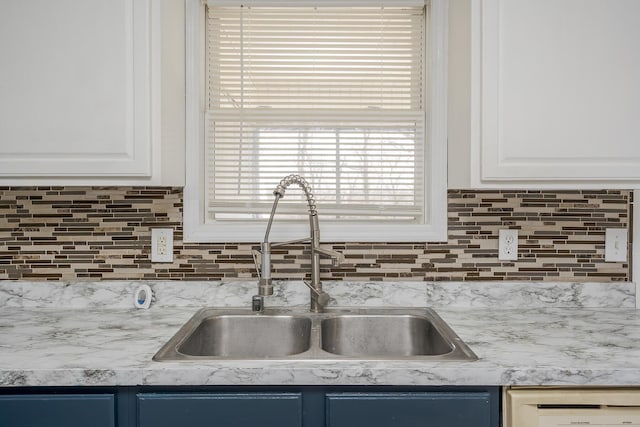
x: 615, y: 245
x: 508, y: 245
x: 162, y: 245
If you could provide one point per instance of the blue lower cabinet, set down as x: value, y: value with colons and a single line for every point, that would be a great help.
x: 419, y: 409
x: 219, y: 409
x: 57, y: 410
x: 250, y: 407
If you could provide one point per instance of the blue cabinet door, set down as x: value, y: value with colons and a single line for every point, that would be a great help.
x: 424, y: 409
x: 219, y: 409
x: 63, y: 410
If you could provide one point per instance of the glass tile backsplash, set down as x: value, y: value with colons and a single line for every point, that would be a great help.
x: 103, y: 233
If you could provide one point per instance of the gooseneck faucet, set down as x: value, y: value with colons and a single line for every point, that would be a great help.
x: 319, y: 298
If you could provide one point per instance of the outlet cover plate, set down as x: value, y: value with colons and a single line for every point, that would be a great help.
x: 162, y: 245
x: 615, y: 245
x: 508, y: 245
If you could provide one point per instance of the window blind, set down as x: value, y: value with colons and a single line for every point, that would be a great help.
x: 334, y: 94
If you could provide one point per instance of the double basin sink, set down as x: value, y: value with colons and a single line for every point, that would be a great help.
x: 340, y: 333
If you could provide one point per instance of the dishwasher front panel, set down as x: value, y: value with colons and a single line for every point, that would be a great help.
x: 571, y: 407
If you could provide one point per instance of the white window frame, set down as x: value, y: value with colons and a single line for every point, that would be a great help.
x: 435, y: 226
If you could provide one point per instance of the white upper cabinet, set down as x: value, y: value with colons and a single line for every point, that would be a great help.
x: 555, y: 92
x: 79, y: 91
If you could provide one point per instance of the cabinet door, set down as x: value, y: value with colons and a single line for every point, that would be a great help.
x: 76, y: 89
x: 220, y: 410
x: 555, y: 93
x: 409, y: 409
x: 63, y: 410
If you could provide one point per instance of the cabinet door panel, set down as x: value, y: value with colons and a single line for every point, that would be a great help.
x: 75, y: 88
x: 220, y: 410
x: 409, y: 409
x: 78, y: 410
x: 555, y: 94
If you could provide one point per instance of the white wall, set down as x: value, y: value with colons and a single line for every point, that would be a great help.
x: 173, y: 93
x: 459, y: 127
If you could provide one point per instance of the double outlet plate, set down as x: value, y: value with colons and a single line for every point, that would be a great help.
x: 162, y: 245
x: 508, y: 245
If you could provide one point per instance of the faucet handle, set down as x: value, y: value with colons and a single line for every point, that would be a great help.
x: 321, y: 297
x: 254, y: 253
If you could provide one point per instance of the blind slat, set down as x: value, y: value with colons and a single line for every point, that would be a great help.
x: 316, y: 3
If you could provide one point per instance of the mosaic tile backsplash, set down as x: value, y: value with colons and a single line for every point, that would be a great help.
x: 103, y: 233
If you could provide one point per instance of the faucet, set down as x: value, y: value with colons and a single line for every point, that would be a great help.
x: 319, y: 298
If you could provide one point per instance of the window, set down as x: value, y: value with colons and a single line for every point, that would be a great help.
x: 342, y: 95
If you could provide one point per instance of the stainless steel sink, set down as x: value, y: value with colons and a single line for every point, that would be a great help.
x: 384, y: 335
x: 336, y: 334
x: 242, y: 336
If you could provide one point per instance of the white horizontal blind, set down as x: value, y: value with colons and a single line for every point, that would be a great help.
x: 334, y: 94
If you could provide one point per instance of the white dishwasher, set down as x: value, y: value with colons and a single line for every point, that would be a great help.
x: 562, y: 407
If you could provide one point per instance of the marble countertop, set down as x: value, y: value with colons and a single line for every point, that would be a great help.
x: 51, y: 345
